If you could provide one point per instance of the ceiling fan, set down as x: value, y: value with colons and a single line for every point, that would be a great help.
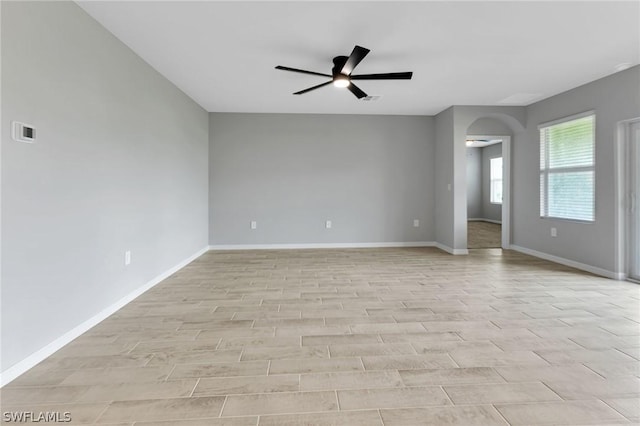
x: 341, y: 75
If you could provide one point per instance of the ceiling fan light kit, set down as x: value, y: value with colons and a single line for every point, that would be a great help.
x: 341, y: 75
x: 341, y: 81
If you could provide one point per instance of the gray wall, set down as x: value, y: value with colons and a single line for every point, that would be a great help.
x: 614, y: 98
x: 370, y: 175
x: 479, y: 204
x: 489, y: 210
x: 474, y: 183
x: 444, y: 187
x: 120, y: 164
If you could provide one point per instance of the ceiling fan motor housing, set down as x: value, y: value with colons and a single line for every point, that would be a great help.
x: 338, y: 64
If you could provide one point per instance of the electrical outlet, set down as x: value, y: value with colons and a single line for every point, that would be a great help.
x: 254, y: 224
x: 448, y: 187
x: 327, y: 224
x: 554, y: 232
x: 127, y: 257
x: 416, y: 223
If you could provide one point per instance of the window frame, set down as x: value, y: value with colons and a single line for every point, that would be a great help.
x: 544, y: 173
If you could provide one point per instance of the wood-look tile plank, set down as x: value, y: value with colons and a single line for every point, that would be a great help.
x: 446, y: 376
x: 592, y: 412
x: 471, y: 415
x: 344, y: 418
x: 280, y: 403
x: 163, y: 409
x: 247, y: 384
x: 284, y: 352
x: 596, y: 388
x: 42, y: 395
x: 116, y: 375
x: 350, y: 380
x: 220, y: 369
x: 211, y: 421
x: 298, y: 366
x: 479, y: 394
x: 408, y: 362
x: 135, y: 391
x: 628, y: 407
x: 361, y: 399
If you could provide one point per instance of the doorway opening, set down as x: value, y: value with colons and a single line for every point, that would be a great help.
x: 487, y: 191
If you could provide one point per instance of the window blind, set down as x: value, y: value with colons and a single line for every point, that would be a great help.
x: 567, y: 169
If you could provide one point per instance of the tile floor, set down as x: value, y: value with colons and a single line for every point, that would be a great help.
x: 354, y: 337
x: 483, y: 234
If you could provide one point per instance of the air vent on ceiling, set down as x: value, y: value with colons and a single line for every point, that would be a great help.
x: 370, y: 98
x: 520, y: 99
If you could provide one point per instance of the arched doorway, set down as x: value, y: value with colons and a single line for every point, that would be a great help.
x: 488, y: 148
x: 504, y: 122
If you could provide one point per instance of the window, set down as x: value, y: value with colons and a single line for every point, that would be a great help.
x: 567, y: 168
x: 496, y: 180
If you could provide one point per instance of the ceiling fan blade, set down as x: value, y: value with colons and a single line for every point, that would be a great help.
x: 313, y: 88
x: 354, y: 59
x: 385, y: 76
x: 280, y: 67
x: 356, y: 91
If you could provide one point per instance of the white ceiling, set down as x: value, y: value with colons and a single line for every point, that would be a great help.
x: 223, y: 54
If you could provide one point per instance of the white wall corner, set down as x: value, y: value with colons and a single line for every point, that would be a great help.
x: 571, y: 263
x: 451, y: 250
x: 32, y: 360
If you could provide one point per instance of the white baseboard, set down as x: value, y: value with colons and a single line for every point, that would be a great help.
x: 336, y: 245
x: 319, y: 245
x: 582, y: 266
x: 480, y: 219
x: 451, y: 250
x: 21, y: 367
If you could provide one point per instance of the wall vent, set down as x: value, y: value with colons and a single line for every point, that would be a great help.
x: 371, y: 98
